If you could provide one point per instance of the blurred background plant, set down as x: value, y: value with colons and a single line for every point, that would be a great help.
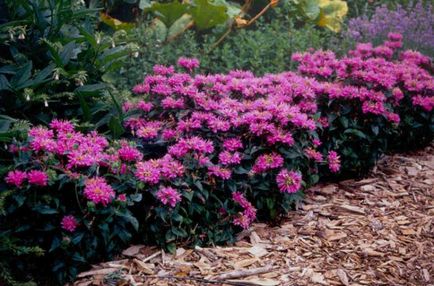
x: 414, y: 21
x: 55, y: 63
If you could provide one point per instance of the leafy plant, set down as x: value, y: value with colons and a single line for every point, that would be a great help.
x: 56, y: 63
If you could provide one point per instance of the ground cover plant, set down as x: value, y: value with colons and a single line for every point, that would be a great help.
x: 206, y: 155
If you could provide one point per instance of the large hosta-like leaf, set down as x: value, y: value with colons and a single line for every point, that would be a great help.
x: 332, y: 14
x: 169, y: 12
x: 207, y: 14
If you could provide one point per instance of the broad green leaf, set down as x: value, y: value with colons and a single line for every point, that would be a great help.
x: 169, y: 12
x: 180, y: 26
x: 159, y: 29
x: 310, y: 8
x: 4, y: 83
x: 207, y: 15
x: 332, y: 14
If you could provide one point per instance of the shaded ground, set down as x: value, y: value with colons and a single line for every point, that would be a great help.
x: 378, y: 231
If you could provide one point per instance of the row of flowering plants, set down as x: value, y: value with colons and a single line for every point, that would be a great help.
x: 206, y: 155
x: 375, y: 99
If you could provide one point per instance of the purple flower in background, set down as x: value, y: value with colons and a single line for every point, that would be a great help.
x: 414, y: 22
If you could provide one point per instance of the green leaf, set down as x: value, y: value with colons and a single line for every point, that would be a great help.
x: 310, y: 8
x: 159, y: 29
x: 115, y: 125
x: 169, y: 12
x: 180, y: 26
x: 171, y: 247
x: 332, y: 14
x: 90, y: 89
x: 355, y: 132
x: 67, y: 52
x: 22, y: 75
x: 4, y: 83
x: 207, y: 15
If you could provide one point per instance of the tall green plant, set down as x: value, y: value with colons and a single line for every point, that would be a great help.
x: 55, y: 62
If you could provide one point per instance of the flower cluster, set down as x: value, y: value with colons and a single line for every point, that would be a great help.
x: 98, y: 191
x: 245, y: 218
x: 34, y: 177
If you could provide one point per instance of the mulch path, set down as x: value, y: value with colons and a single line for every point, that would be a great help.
x: 377, y: 231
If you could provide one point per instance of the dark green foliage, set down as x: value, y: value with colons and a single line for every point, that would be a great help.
x: 55, y: 63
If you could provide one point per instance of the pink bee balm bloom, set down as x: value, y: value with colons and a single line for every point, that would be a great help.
x: 232, y: 144
x: 266, y: 162
x: 334, y: 162
x: 98, y: 191
x: 219, y: 172
x: 188, y: 63
x: 168, y: 196
x: 227, y: 158
x: 69, y: 223
x: 39, y: 178
x: 62, y: 125
x: 129, y: 153
x: 288, y: 181
x: 313, y: 154
x: 148, y: 172
x: 16, y: 178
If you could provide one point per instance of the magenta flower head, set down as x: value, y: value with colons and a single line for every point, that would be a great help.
x: 69, y: 223
x: 188, y: 63
x: 38, y: 178
x: 129, y: 153
x: 62, y: 125
x: 16, y: 178
x: 168, y: 196
x: 394, y: 37
x: 288, y: 181
x: 334, y: 161
x: 98, y: 191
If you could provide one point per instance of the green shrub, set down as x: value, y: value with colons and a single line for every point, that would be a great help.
x: 55, y: 63
x: 265, y: 48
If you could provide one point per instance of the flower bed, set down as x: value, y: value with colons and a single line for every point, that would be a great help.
x: 209, y: 154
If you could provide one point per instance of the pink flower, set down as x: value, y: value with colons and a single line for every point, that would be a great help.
x: 395, y: 37
x: 267, y: 162
x: 334, y: 162
x: 232, y: 144
x: 129, y: 153
x: 62, y: 125
x: 168, y: 196
x: 188, y: 63
x: 69, y: 223
x: 148, y: 172
x: 288, y: 181
x: 38, y: 178
x: 122, y: 198
x: 16, y: 178
x: 248, y: 215
x: 219, y: 172
x: 313, y: 154
x: 98, y: 191
x: 228, y: 158
x: 163, y: 70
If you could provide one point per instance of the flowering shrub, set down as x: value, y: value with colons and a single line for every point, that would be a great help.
x: 372, y: 100
x: 209, y: 154
x: 69, y: 197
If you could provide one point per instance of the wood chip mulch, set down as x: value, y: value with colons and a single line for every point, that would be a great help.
x: 377, y: 231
